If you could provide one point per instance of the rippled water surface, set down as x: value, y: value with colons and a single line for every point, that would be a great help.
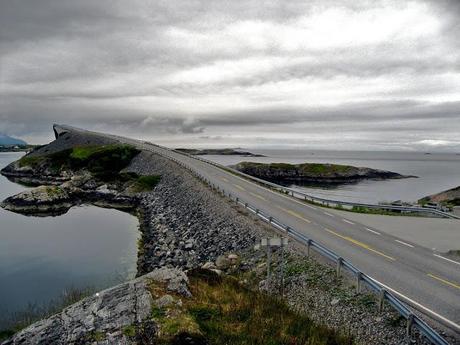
x: 41, y: 257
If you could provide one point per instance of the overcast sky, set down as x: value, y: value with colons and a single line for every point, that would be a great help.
x: 372, y: 75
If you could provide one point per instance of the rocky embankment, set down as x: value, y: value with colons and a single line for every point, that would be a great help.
x: 314, y: 172
x: 225, y: 152
x: 451, y: 197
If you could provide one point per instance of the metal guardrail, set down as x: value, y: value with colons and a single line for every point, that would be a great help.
x: 384, y: 295
x: 412, y: 320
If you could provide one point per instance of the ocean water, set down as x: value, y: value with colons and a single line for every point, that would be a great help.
x: 436, y: 172
x: 41, y: 257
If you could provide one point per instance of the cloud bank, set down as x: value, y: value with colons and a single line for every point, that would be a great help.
x: 355, y: 74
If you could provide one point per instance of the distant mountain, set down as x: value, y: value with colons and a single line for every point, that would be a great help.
x: 6, y: 140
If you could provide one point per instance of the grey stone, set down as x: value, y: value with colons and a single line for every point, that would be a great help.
x: 106, y: 313
x: 164, y: 301
x: 222, y: 262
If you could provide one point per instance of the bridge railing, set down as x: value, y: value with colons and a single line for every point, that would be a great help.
x: 412, y: 320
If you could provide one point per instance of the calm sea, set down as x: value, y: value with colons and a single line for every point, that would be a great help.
x: 41, y: 257
x: 436, y: 172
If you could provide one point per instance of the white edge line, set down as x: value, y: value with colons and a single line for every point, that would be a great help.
x: 442, y: 257
x: 404, y: 243
x: 418, y: 305
x: 349, y: 222
x: 373, y: 231
x: 328, y: 214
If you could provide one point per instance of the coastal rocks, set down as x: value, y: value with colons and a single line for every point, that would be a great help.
x: 56, y: 200
x: 183, y: 223
x: 451, y: 196
x: 108, y: 317
x: 314, y: 172
x: 44, y: 199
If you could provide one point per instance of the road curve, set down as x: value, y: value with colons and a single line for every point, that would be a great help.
x: 428, y: 281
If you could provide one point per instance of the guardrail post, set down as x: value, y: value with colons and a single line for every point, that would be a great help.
x: 381, y: 300
x: 339, y: 267
x: 358, y: 282
x: 257, y: 211
x: 288, y: 229
x: 410, y: 322
x: 236, y: 200
x: 308, y: 247
x: 270, y: 220
x: 268, y: 266
x: 246, y: 205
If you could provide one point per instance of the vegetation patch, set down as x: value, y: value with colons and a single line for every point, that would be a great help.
x: 222, y: 311
x: 146, y: 182
x: 104, y: 161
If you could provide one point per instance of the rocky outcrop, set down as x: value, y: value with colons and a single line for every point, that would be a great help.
x: 314, y: 172
x: 451, y: 196
x: 43, y: 199
x: 117, y: 315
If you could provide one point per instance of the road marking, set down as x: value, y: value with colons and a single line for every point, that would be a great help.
x: 360, y: 244
x: 418, y: 305
x: 295, y: 214
x: 224, y: 179
x: 373, y: 231
x: 239, y: 187
x: 328, y: 214
x: 442, y: 257
x: 347, y: 221
x: 405, y: 244
x: 258, y: 196
x: 444, y: 281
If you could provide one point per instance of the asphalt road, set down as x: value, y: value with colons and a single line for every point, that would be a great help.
x: 422, y: 277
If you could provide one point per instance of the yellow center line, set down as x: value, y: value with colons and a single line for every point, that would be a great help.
x: 239, y: 187
x: 295, y: 214
x: 224, y: 179
x: 361, y: 244
x: 258, y: 196
x: 444, y: 281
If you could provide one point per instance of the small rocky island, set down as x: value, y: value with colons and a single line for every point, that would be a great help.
x: 448, y: 197
x: 323, y: 173
x: 225, y: 152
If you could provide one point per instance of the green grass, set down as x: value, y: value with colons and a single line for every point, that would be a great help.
x: 104, y: 161
x: 30, y: 161
x: 309, y: 169
x: 222, y: 311
x: 146, y: 183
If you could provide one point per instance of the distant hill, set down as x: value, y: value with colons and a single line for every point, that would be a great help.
x: 6, y: 140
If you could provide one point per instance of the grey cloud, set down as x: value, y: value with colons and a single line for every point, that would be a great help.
x: 68, y: 61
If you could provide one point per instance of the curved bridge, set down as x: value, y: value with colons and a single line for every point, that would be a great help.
x: 427, y: 281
